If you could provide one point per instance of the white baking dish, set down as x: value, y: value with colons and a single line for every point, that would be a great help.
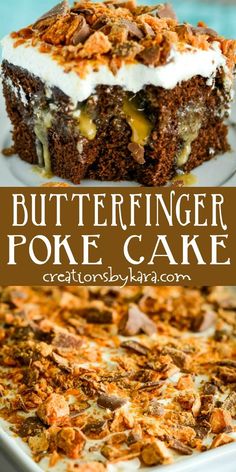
x: 222, y: 459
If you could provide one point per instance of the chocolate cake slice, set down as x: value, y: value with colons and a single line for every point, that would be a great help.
x: 116, y: 91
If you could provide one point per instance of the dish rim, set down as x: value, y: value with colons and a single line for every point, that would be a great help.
x: 11, y: 449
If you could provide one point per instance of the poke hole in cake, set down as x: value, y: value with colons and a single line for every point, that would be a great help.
x: 116, y: 91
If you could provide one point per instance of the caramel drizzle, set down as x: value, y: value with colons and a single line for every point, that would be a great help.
x: 86, y: 125
x: 140, y: 125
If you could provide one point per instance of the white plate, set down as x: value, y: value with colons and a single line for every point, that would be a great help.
x: 220, y: 171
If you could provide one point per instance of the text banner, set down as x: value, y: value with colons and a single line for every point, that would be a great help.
x: 118, y: 236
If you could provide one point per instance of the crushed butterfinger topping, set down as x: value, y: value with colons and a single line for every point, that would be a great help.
x: 115, y: 32
x: 91, y: 376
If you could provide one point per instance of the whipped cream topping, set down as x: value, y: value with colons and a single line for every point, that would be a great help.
x: 181, y: 66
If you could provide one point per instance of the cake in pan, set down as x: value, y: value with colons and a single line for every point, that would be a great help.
x: 116, y: 91
x: 92, y: 377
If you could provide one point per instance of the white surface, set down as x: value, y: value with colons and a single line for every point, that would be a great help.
x: 181, y: 66
x: 14, y: 172
x: 6, y: 465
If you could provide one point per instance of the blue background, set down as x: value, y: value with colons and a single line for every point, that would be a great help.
x: 220, y: 15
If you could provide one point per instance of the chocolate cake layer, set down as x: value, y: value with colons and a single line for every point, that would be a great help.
x: 114, y: 134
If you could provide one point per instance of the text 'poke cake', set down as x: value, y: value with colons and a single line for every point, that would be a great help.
x: 116, y: 91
